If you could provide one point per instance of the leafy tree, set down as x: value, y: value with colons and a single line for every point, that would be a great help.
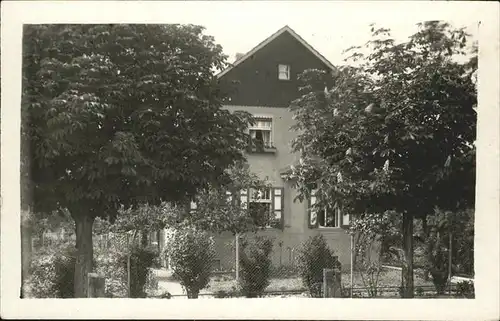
x: 121, y: 115
x: 219, y: 208
x: 396, y: 132
x: 140, y: 220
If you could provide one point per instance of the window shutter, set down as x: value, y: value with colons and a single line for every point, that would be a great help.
x: 312, y: 213
x: 278, y: 207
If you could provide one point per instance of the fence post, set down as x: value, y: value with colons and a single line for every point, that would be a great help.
x: 237, y: 263
x: 128, y: 275
x: 352, y: 264
x: 449, y: 262
x: 327, y: 283
x: 96, y: 286
x: 337, y: 282
x: 332, y: 283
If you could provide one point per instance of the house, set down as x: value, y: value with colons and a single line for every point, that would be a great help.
x: 266, y: 83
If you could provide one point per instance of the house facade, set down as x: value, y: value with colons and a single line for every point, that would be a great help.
x: 263, y: 82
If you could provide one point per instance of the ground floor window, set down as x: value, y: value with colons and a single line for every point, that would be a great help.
x: 326, y: 217
x: 329, y: 218
x: 266, y: 207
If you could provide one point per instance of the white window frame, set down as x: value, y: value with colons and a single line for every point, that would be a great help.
x: 260, y: 199
x: 269, y: 201
x: 264, y: 119
x: 284, y: 69
x: 337, y: 218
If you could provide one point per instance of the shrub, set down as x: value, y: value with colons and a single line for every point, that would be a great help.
x: 112, y: 264
x: 116, y: 277
x: 64, y: 266
x: 419, y: 291
x: 439, y: 279
x: 401, y: 291
x: 166, y: 295
x: 52, y: 274
x: 255, y: 266
x: 191, y: 253
x: 345, y: 292
x: 220, y: 294
x: 141, y: 260
x: 314, y: 256
x: 465, y: 289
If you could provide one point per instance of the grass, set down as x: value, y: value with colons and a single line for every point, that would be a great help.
x: 288, y: 284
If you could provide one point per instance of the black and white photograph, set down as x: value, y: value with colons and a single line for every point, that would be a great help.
x: 251, y: 152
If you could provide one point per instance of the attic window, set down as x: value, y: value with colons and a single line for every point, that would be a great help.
x: 284, y: 72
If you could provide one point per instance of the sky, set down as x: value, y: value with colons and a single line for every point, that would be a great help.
x: 328, y: 26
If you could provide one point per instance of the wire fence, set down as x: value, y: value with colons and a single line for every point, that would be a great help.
x: 284, y: 277
x: 359, y: 292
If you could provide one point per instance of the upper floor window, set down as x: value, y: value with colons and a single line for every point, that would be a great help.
x: 284, y: 72
x: 261, y: 133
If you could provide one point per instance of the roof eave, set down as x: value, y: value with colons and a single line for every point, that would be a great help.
x: 270, y: 39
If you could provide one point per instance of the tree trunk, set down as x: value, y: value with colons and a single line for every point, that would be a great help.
x: 158, y: 238
x: 84, y: 253
x: 408, y: 253
x: 26, y: 250
x: 192, y: 294
x: 144, y: 238
x: 425, y: 227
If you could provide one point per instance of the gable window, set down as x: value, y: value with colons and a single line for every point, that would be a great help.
x: 261, y: 133
x: 284, y: 72
x: 265, y: 206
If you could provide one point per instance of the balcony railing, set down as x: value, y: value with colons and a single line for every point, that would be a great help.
x: 255, y: 146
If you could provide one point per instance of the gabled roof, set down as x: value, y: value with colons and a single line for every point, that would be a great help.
x: 270, y: 39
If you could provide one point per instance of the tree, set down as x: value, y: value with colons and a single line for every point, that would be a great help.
x: 140, y: 220
x: 121, y: 115
x: 219, y: 208
x: 395, y: 132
